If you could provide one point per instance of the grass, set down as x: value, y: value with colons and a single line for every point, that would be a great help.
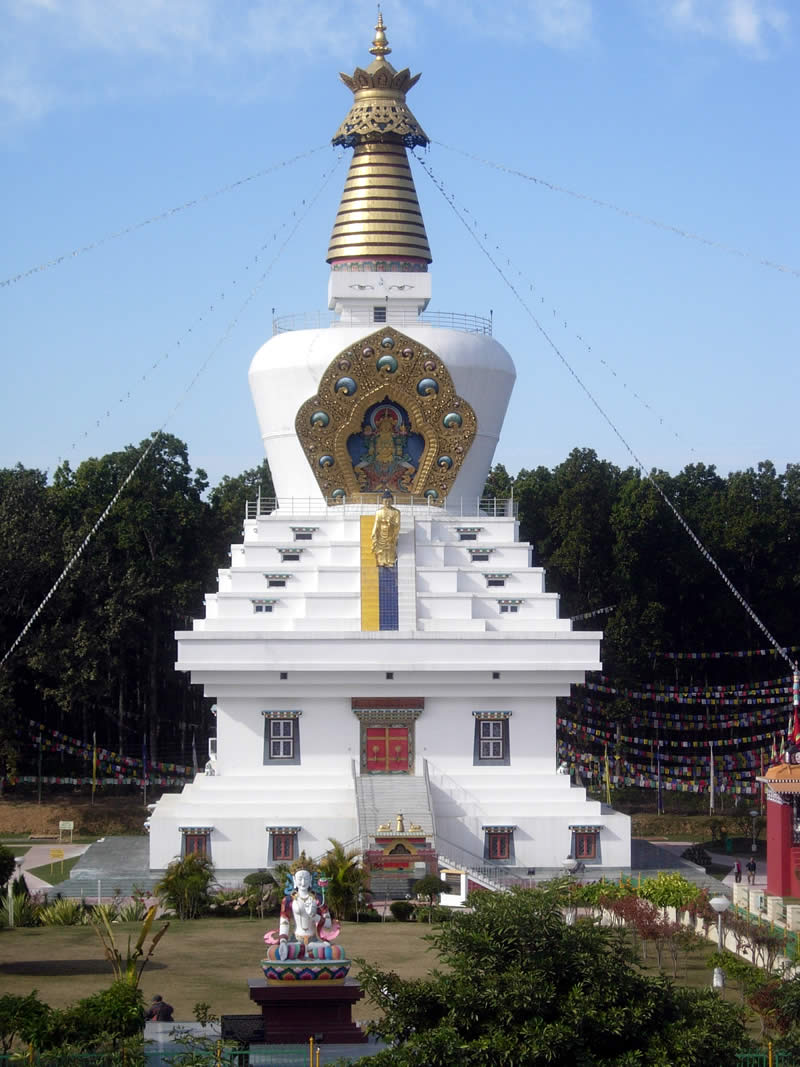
x: 56, y: 871
x: 212, y: 959
x: 18, y: 850
x: 204, y: 960
x: 695, y: 973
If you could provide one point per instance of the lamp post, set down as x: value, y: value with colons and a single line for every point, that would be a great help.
x: 720, y: 905
x: 14, y: 876
x: 754, y: 816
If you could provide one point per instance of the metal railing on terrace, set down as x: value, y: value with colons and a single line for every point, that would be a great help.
x: 321, y: 320
x: 469, y: 507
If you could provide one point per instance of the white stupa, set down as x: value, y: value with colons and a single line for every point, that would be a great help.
x: 349, y: 692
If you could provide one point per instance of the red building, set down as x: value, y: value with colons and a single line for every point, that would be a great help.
x: 783, y: 827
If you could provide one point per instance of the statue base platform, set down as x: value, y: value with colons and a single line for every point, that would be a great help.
x: 292, y: 1012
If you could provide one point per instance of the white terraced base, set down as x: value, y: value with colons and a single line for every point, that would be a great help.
x: 455, y: 649
x: 290, y: 637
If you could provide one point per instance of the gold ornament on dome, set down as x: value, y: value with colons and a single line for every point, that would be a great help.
x: 379, y: 109
x: 386, y: 417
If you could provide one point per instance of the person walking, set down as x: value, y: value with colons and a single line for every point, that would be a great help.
x: 159, y: 1011
x: 737, y: 872
x: 751, y: 871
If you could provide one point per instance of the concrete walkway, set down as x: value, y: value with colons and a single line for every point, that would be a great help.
x: 39, y: 856
x: 722, y: 859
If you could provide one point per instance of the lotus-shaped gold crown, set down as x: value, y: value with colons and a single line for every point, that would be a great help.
x: 379, y: 111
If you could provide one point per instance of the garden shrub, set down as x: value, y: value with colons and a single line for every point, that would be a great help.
x: 402, y: 910
x: 368, y: 914
x: 263, y: 893
x: 132, y: 911
x: 186, y: 886
x: 595, y: 894
x: 259, y: 878
x: 7, y: 864
x: 19, y: 1018
x: 230, y: 902
x: 440, y: 914
x: 668, y: 890
x: 697, y: 854
x: 66, y: 912
x: 26, y: 909
x: 112, y: 1014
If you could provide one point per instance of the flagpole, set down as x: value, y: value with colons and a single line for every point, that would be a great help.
x: 761, y: 786
x: 659, y: 799
x: 711, y: 777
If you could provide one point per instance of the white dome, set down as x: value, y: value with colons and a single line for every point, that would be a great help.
x: 286, y: 371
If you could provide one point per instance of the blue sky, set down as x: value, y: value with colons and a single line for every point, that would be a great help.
x: 681, y: 111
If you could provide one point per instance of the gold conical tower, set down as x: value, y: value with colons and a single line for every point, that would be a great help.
x: 379, y: 224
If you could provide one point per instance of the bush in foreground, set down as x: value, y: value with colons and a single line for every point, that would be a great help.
x: 523, y: 987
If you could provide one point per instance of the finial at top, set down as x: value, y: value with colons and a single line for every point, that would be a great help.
x: 380, y: 46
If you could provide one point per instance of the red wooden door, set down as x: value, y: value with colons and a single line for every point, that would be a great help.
x: 387, y: 749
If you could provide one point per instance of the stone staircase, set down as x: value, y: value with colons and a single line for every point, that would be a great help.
x: 380, y: 798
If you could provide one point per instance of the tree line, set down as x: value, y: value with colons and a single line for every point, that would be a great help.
x: 607, y: 537
x: 100, y: 658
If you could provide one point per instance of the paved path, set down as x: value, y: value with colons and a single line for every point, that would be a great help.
x: 722, y: 859
x: 39, y: 855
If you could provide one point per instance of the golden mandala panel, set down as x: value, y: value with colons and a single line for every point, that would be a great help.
x: 423, y: 432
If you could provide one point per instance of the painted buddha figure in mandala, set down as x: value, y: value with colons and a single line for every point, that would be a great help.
x: 385, y: 453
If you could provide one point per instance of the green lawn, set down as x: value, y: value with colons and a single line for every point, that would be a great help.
x: 205, y: 960
x: 212, y: 959
x: 56, y: 871
x: 18, y: 850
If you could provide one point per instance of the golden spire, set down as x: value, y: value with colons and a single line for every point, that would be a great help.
x: 380, y: 46
x: 379, y: 224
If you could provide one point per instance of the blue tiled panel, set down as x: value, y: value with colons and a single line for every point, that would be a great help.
x: 387, y: 598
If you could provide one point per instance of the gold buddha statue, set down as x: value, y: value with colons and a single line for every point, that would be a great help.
x: 385, y: 531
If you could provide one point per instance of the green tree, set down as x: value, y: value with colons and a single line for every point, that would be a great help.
x: 20, y: 1016
x: 499, y: 483
x: 347, y: 879
x: 7, y: 864
x: 522, y: 987
x: 186, y: 885
x: 428, y: 888
x: 94, y: 1023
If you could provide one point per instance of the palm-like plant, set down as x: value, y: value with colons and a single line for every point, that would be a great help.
x: 186, y: 884
x: 347, y: 879
x: 127, y: 968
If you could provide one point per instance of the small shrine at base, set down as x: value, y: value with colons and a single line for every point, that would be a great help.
x: 401, y: 851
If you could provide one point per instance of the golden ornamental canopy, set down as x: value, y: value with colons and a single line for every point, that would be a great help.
x: 379, y: 109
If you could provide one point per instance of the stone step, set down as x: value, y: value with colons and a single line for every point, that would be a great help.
x: 381, y: 798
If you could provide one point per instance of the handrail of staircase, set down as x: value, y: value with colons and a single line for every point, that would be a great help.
x: 427, y: 777
x: 463, y: 855
x: 471, y: 862
x: 453, y: 787
x: 363, y: 839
